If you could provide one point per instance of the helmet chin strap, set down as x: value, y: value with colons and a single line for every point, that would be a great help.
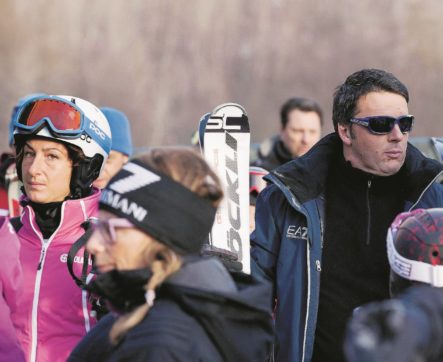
x: 83, y: 174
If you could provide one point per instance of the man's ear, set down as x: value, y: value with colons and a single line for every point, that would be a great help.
x: 344, y: 132
x: 125, y: 159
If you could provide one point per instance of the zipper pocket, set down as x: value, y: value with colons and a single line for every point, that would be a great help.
x: 368, y: 208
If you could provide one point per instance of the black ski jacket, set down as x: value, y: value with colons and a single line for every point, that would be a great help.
x: 286, y: 246
x: 202, y: 313
x: 272, y: 153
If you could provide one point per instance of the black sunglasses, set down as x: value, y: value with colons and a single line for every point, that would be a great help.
x: 385, y: 124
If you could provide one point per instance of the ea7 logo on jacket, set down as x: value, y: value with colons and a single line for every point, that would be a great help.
x: 297, y: 232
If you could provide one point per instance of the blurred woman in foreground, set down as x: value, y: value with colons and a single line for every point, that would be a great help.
x: 170, y: 303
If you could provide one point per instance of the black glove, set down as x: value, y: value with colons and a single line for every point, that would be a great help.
x: 228, y: 258
x: 390, y: 331
x: 99, y: 307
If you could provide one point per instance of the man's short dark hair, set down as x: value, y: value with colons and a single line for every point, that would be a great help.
x: 303, y: 104
x: 359, y: 84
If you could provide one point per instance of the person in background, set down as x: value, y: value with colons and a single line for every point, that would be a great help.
x: 11, y: 284
x: 169, y: 303
x: 9, y: 183
x: 410, y: 326
x: 256, y: 185
x: 121, y: 148
x: 301, y: 122
x: 6, y: 163
x: 321, y: 224
x: 61, y: 143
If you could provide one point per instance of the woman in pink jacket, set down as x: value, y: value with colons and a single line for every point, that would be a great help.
x: 61, y: 144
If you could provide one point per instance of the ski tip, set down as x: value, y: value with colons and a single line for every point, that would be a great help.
x: 229, y: 117
x: 229, y: 105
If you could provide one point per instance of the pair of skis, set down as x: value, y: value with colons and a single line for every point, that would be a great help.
x: 224, y: 139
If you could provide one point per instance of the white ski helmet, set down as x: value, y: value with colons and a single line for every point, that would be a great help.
x: 70, y: 120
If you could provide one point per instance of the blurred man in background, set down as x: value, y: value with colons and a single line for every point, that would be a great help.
x: 121, y: 148
x: 301, y: 123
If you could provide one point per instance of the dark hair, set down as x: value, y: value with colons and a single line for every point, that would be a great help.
x: 359, y: 84
x: 303, y: 104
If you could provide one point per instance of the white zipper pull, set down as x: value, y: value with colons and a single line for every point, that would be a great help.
x: 42, y: 256
x: 317, y: 263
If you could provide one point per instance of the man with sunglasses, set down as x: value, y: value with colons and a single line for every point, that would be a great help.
x: 321, y: 225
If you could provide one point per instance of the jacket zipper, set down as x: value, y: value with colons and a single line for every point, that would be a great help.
x: 308, y: 255
x: 368, y: 207
x: 42, y: 255
x: 35, y: 301
x: 45, y: 245
x: 318, y: 268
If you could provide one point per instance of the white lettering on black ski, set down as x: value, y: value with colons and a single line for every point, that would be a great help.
x: 231, y: 124
x: 234, y: 239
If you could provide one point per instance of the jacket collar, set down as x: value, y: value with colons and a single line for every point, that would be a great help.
x: 203, y: 273
x: 281, y: 152
x: 306, y: 175
x: 73, y: 214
